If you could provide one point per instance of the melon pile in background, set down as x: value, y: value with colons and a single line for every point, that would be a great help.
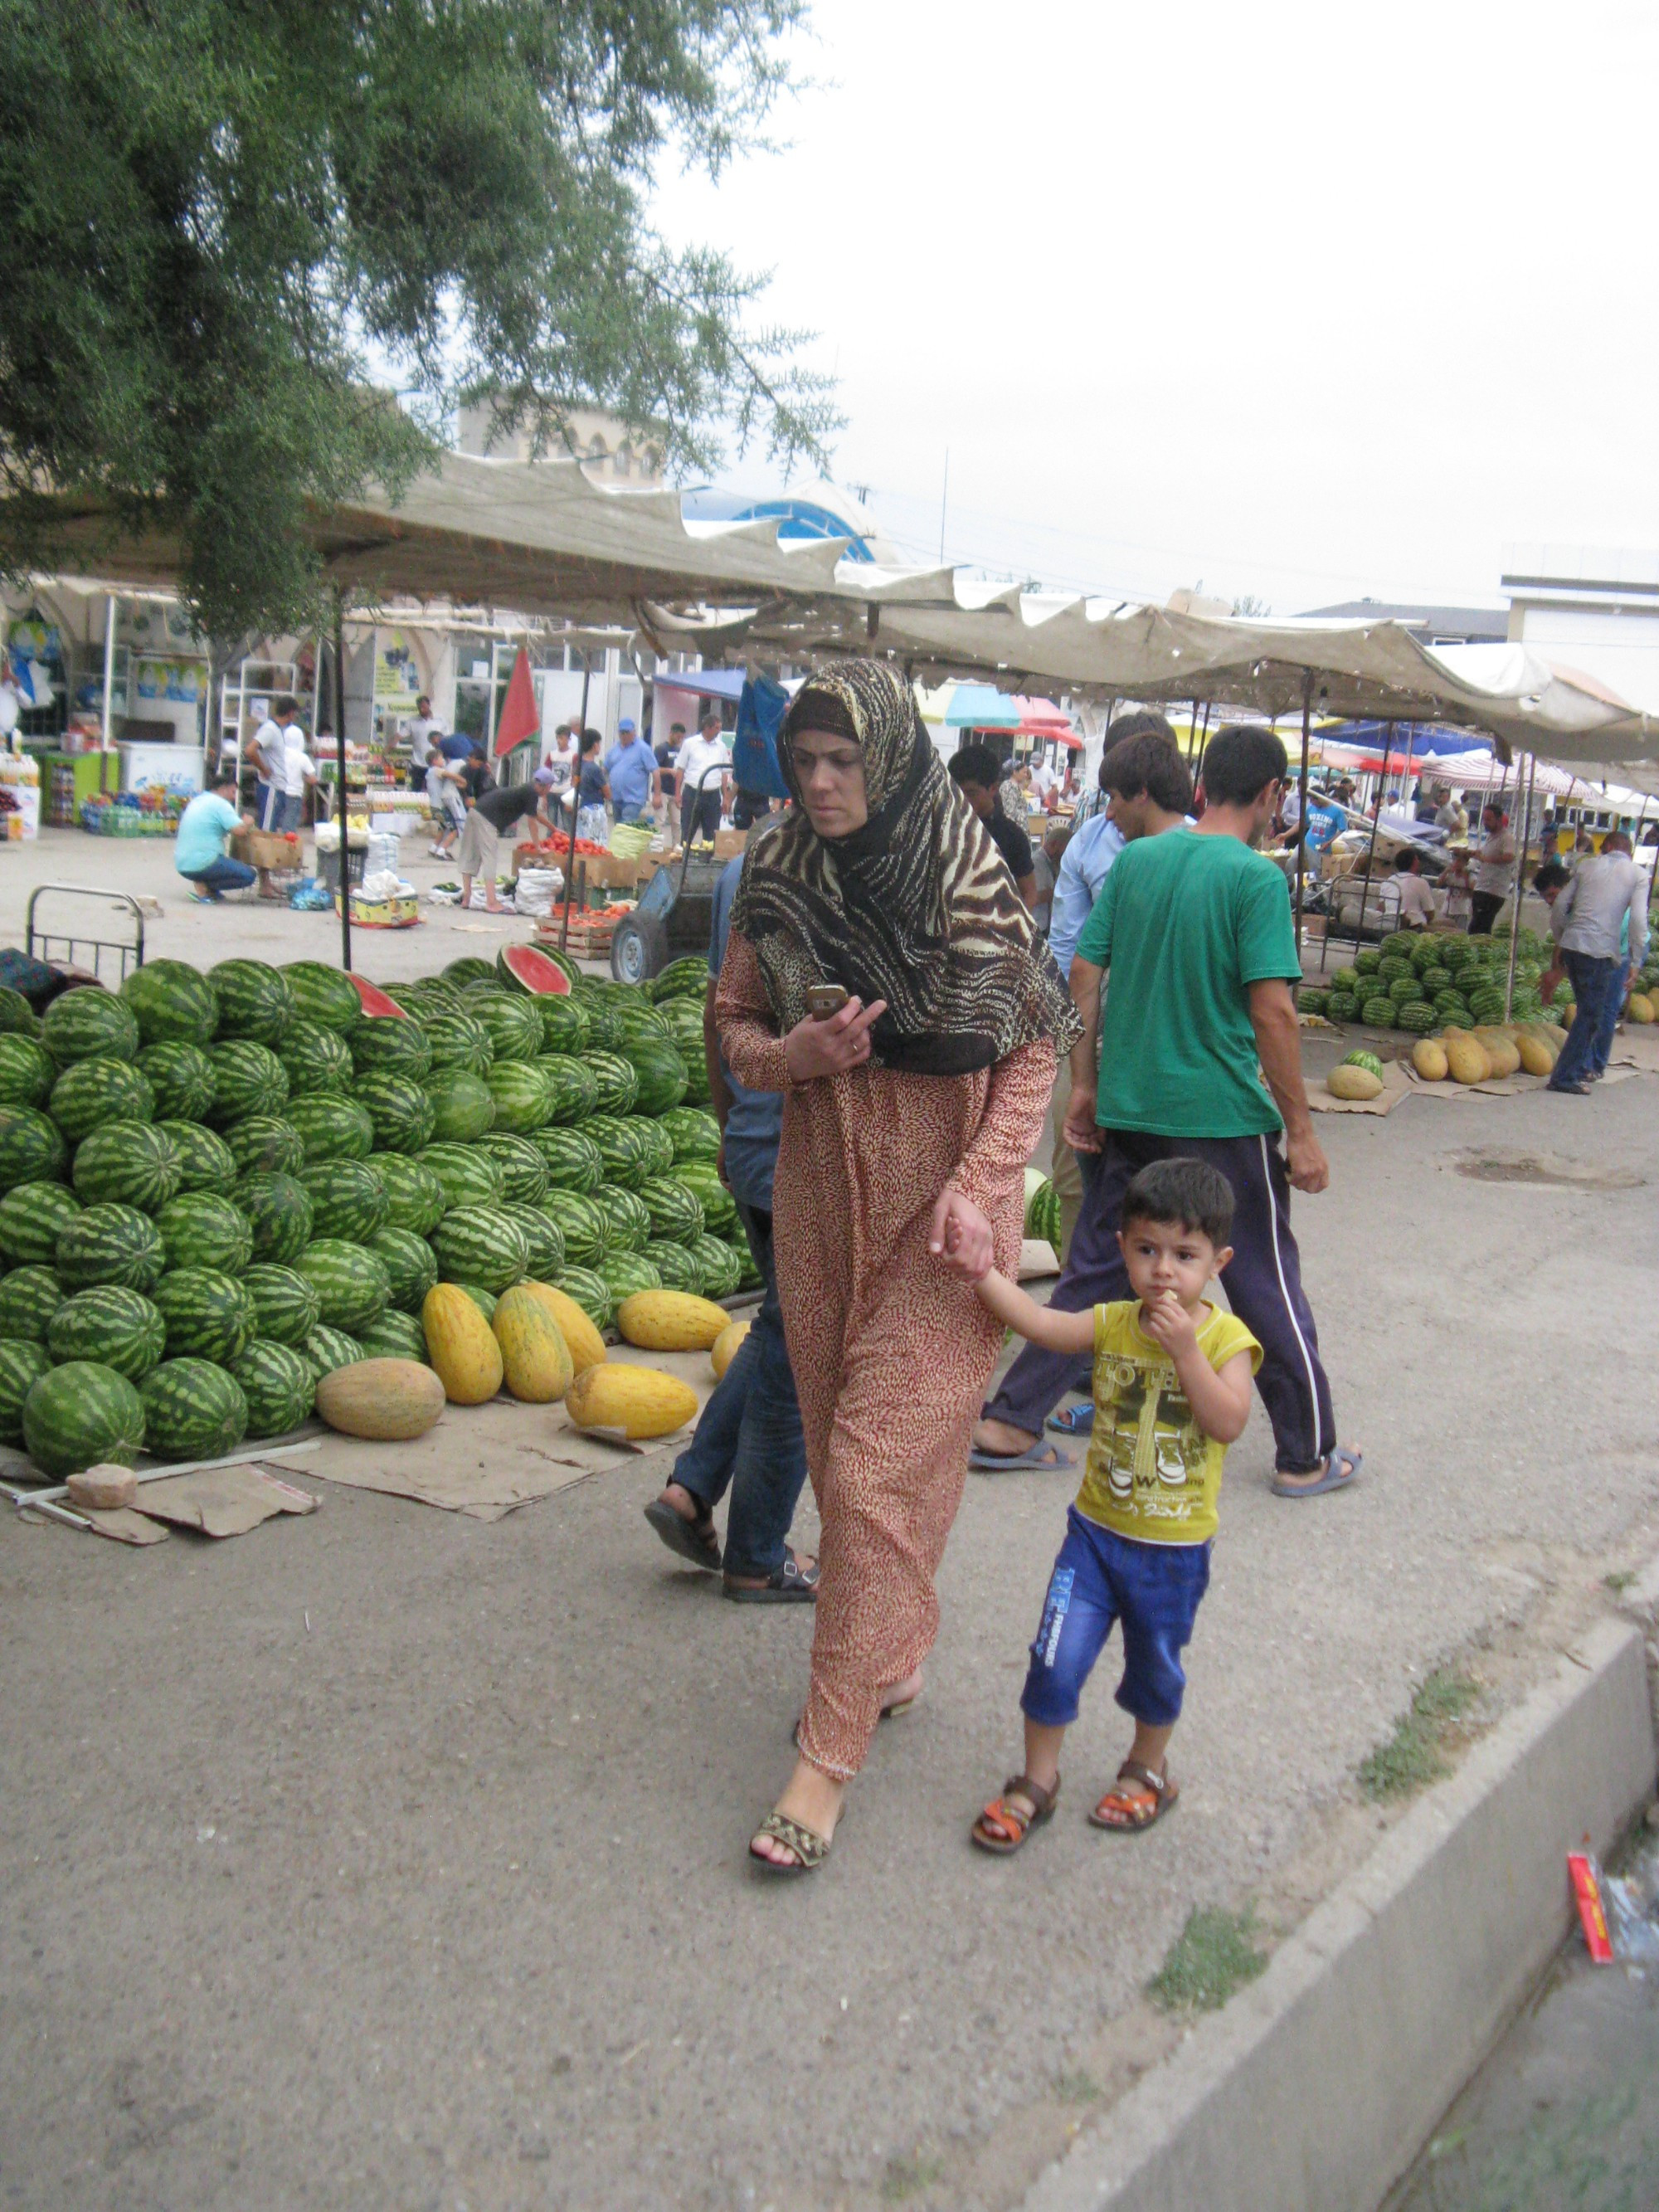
x: 215, y: 1188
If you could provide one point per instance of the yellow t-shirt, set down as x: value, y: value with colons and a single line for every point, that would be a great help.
x: 1153, y: 1474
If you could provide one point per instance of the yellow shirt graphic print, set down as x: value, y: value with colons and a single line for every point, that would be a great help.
x: 1153, y: 1474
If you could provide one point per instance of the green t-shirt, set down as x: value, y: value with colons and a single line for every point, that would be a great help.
x: 1186, y: 923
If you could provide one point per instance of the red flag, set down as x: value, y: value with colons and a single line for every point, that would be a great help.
x: 521, y: 717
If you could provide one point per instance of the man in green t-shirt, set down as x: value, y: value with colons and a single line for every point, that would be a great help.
x: 1196, y: 929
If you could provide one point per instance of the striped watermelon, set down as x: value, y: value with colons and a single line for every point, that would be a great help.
x: 425, y: 990
x: 171, y: 1002
x: 263, y: 1144
x: 627, y: 1225
x: 32, y: 1148
x: 27, y: 1071
x: 620, y: 1148
x: 199, y: 1229
x: 685, y: 1022
x: 564, y: 961
x: 655, y: 1144
x: 181, y: 1076
x: 286, y: 1307
x: 469, y: 968
x: 32, y: 1216
x: 458, y: 1040
x: 514, y: 1024
x: 604, y: 1025
x: 401, y: 1113
x: 22, y: 1363
x: 410, y: 1267
x: 685, y: 978
x: 695, y: 1135
x: 395, y: 1336
x: 90, y: 1092
x: 279, y: 1213
x: 126, y: 1164
x: 315, y: 1059
x: 481, y: 1244
x: 83, y: 1414
x: 626, y: 1272
x: 248, y: 1079
x: 331, y: 1127
x: 722, y: 1270
x: 697, y: 1092
x: 326, y: 1348
x: 570, y: 1087
x: 484, y: 1300
x: 527, y: 969
x: 277, y: 1387
x: 17, y: 1016
x: 414, y: 1196
x: 210, y: 1316
x: 108, y: 1243
x: 350, y: 1280
x: 193, y: 1410
x: 519, y: 1094
x: 90, y: 1023
x: 564, y: 1024
x: 592, y: 1294
x: 543, y: 1241
x: 677, y: 1267
x: 617, y: 1085
x: 29, y: 1297
x: 469, y: 1175
x: 254, y: 1000
x: 676, y: 1212
x: 324, y: 998
x: 584, y: 1227
x: 392, y: 1047
x: 119, y: 1327
x: 718, y: 1211
x: 572, y: 1158
x: 523, y: 1172
x: 462, y: 1105
x: 348, y: 1198
x: 637, y: 1019
x: 205, y: 1162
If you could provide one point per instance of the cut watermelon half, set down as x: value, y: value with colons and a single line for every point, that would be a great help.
x: 376, y: 1004
x: 524, y: 968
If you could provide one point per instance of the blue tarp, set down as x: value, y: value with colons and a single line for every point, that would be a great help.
x: 760, y: 711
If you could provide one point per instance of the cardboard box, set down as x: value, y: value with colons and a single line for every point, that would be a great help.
x: 263, y: 849
x: 728, y: 843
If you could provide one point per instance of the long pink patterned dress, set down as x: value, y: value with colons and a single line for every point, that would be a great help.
x: 891, y: 1354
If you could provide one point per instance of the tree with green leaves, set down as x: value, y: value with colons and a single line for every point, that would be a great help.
x: 223, y: 214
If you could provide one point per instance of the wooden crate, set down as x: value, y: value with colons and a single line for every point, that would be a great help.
x: 588, y: 940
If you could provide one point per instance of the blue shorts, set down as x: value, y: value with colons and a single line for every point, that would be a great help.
x: 1099, y: 1578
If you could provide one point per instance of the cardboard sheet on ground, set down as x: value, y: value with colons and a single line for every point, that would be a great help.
x: 1396, y: 1085
x: 222, y: 1501
x: 1502, y: 1087
x: 486, y: 1461
x: 123, y: 1524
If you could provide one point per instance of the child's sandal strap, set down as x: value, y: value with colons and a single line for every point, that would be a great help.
x: 1003, y: 1828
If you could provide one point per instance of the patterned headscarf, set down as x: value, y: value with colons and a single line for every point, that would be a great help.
x: 916, y: 908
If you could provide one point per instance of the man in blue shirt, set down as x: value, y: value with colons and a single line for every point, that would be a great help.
x: 749, y: 1436
x: 205, y: 827
x: 631, y: 770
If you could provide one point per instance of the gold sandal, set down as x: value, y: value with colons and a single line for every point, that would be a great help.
x: 811, y: 1849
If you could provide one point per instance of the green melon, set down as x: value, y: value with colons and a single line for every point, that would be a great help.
x: 469, y: 1175
x: 120, y: 1327
x: 663, y: 1076
x: 332, y: 1127
x: 171, y: 1002
x: 718, y: 1211
x: 193, y: 1410
x: 90, y: 1023
x: 685, y: 978
x: 264, y: 1144
x: 1367, y: 1060
x: 523, y: 1172
x: 350, y: 1280
x: 396, y: 1335
x: 205, y: 1161
x: 22, y: 1363
x: 470, y: 968
x: 618, y: 1086
x: 543, y: 1241
x: 27, y: 1071
x: 573, y: 1159
x: 415, y: 1197
x: 570, y: 1087
x: 248, y: 1079
x: 515, y: 1025
x: 254, y: 1000
x: 621, y: 1148
x: 17, y: 1016
x: 656, y: 1145
x: 32, y: 1217
x: 721, y: 1265
x: 279, y: 1213
x: 324, y: 997
x: 326, y: 1348
x: 277, y: 1387
x: 628, y: 1224
x: 314, y: 1060
x: 564, y: 1024
x: 199, y: 1229
x: 463, y: 1105
x: 592, y: 1294
x: 126, y: 1164
x: 348, y: 1198
x: 676, y: 1211
x: 208, y: 1314
x: 626, y: 1273
x: 694, y: 1134
x: 697, y: 1092
x: 79, y: 1415
x: 388, y: 1046
x: 410, y: 1267
x: 181, y: 1076
x: 108, y: 1243
x: 29, y: 1297
x: 32, y: 1147
x: 584, y: 1227
x: 286, y: 1307
x: 677, y: 1267
x: 481, y: 1244
x: 457, y: 1041
x: 519, y: 1093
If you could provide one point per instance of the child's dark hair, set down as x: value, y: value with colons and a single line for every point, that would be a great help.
x: 1187, y: 1191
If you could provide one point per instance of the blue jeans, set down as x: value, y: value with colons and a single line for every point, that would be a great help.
x: 223, y: 874
x: 1594, y: 983
x: 749, y: 1437
x: 1099, y: 1578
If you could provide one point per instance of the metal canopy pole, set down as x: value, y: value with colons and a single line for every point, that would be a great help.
x: 109, y: 693
x: 1520, y: 863
x: 1301, y: 817
x: 576, y: 805
x: 340, y: 759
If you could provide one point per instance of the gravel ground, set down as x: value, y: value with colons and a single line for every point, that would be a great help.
x: 385, y: 1857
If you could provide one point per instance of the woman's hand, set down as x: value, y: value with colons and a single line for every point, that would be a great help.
x: 960, y: 1236
x: 814, y: 1048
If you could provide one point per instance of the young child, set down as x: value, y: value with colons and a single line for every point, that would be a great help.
x: 1172, y: 1390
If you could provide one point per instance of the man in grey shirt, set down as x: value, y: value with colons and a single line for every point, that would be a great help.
x: 1600, y: 925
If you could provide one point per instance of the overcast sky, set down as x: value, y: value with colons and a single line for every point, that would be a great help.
x: 1302, y: 301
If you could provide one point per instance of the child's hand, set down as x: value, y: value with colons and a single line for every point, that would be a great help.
x: 1168, y: 1323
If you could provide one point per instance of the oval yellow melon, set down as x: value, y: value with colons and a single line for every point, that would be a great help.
x: 1640, y: 1008
x: 670, y: 1320
x: 1466, y: 1060
x: 384, y: 1398
x: 1537, y: 1057
x: 460, y: 1344
x: 582, y: 1341
x: 723, y: 1349
x: 1501, y: 1053
x: 1346, y: 1082
x: 534, y: 1354
x: 1429, y: 1059
x: 639, y: 1402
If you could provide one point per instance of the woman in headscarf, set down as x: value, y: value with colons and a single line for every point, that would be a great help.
x: 908, y: 1117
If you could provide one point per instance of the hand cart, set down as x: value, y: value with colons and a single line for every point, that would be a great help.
x: 674, y: 914
x: 130, y: 952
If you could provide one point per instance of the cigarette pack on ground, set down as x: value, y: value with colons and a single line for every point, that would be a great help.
x: 1585, y: 1874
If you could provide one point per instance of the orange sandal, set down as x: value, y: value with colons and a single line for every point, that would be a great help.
x: 1136, y: 1809
x: 1002, y: 1827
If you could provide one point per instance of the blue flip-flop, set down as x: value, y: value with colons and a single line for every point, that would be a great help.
x: 1340, y: 1468
x: 1044, y: 1458
x: 1075, y: 1421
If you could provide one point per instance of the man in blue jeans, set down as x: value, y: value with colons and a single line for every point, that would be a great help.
x: 1598, y: 920
x: 631, y: 771
x: 749, y: 1437
x: 205, y: 827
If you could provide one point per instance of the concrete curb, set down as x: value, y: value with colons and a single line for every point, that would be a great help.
x: 1316, y: 2086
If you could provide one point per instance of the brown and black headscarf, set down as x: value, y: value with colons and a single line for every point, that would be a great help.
x: 916, y: 908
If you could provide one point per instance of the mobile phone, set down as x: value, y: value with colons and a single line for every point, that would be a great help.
x: 823, y: 1000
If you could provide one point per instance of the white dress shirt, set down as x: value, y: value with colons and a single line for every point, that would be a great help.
x: 1590, y: 912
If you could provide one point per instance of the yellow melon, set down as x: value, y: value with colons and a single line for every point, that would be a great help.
x: 1537, y: 1056
x: 1429, y: 1059
x: 384, y: 1399
x: 1466, y: 1060
x: 1500, y: 1049
x: 582, y: 1341
x: 534, y: 1354
x: 639, y: 1402
x: 1346, y: 1082
x: 723, y: 1349
x: 460, y: 1344
x: 670, y: 1320
x: 1640, y: 1008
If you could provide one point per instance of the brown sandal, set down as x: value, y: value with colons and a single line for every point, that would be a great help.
x: 809, y: 1848
x: 1002, y: 1827
x: 1142, y: 1808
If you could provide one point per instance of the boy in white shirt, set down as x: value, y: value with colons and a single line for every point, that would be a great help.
x: 1418, y: 906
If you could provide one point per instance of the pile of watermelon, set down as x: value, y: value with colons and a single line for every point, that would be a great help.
x: 217, y: 1188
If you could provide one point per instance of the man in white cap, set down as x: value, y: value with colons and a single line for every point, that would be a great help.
x: 631, y: 770
x: 496, y: 810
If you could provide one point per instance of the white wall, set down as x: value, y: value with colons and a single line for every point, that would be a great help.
x: 1619, y: 650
